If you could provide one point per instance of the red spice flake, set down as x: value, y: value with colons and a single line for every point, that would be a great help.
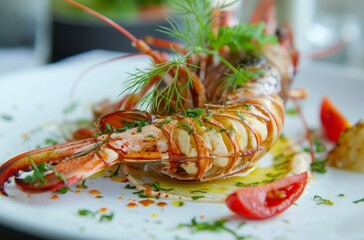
x: 132, y: 205
x: 94, y: 192
x: 202, y: 217
x: 104, y: 210
x: 78, y: 191
x: 161, y: 204
x: 99, y: 196
x: 54, y: 197
x: 146, y: 202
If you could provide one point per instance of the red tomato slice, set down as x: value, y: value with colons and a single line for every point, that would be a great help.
x: 265, y: 201
x: 333, y: 122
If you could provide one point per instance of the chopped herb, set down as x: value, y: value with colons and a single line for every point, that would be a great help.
x: 99, y: 196
x: 341, y: 195
x: 128, y: 186
x: 186, y: 127
x: 85, y: 212
x: 127, y: 126
x: 252, y: 184
x: 200, y: 122
x: 321, y: 201
x: 50, y: 141
x: 274, y: 175
x: 241, y: 184
x: 209, y: 129
x: 6, y: 117
x: 248, y: 106
x: 291, y: 111
x: 194, y: 113
x: 63, y: 190
x: 141, y: 194
x: 116, y: 171
x: 216, y: 226
x: 286, y: 221
x: 180, y: 204
x: 39, y: 172
x: 241, y: 224
x: 82, y: 185
x: 141, y: 124
x: 208, y: 116
x: 240, y: 115
x: 319, y: 165
x: 319, y: 146
x: 168, y: 120
x: 106, y: 218
x: 151, y: 136
x: 103, y: 217
x: 198, y: 191
x: 358, y: 201
x: 156, y: 187
x: 197, y: 197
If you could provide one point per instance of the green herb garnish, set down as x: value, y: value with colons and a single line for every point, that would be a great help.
x: 341, y: 195
x: 6, y: 117
x: 319, y: 146
x: 141, y: 194
x: 127, y: 126
x: 185, y: 127
x: 156, y: 187
x: 208, y: 116
x: 194, y: 198
x: 63, y: 190
x: 248, y: 106
x: 240, y: 115
x: 128, y: 186
x: 321, y: 201
x: 82, y: 185
x: 195, y: 28
x: 216, y: 226
x: 106, y: 217
x: 194, y: 113
x: 50, y: 141
x: 252, y: 184
x: 85, y: 212
x: 319, y: 165
x: 103, y: 217
x: 39, y: 172
x: 164, y: 122
x: 116, y: 171
x: 198, y: 191
x: 291, y: 111
x: 358, y: 201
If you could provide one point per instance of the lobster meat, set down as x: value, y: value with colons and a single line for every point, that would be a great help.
x: 213, y: 133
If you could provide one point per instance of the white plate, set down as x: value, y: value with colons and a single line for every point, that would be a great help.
x: 38, y: 98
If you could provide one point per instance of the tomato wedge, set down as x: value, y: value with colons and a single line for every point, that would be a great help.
x: 333, y: 122
x: 265, y: 201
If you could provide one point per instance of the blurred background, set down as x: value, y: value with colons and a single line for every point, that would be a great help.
x: 38, y: 32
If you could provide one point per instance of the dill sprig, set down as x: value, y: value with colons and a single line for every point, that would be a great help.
x: 168, y: 89
x: 196, y: 30
x: 196, y: 22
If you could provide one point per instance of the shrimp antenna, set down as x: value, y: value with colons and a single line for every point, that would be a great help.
x: 104, y: 19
